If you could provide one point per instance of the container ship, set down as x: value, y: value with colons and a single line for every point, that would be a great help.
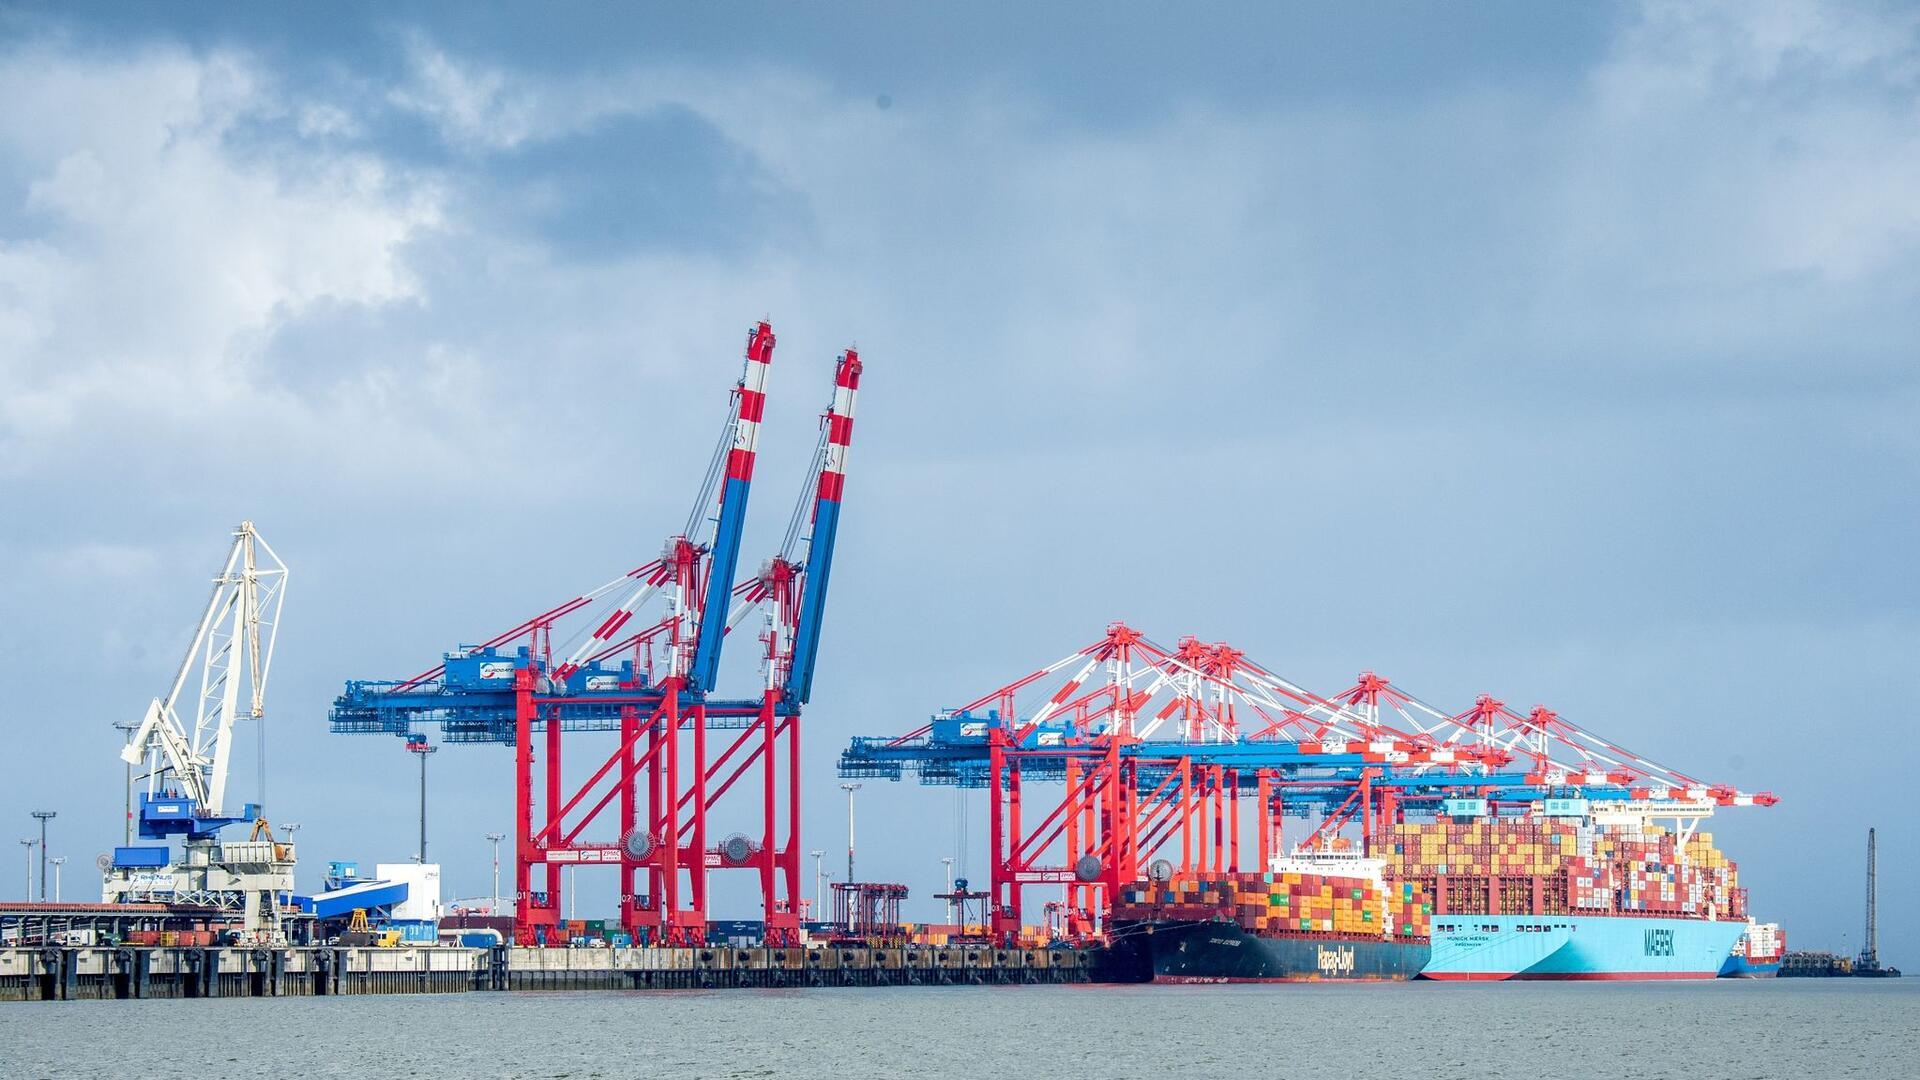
x: 1312, y: 917
x: 1758, y: 953
x: 1482, y: 899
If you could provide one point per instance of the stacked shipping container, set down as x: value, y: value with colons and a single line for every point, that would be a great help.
x: 1293, y: 904
x: 1537, y: 866
x: 1551, y: 866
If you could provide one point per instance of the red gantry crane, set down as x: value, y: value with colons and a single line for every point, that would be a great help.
x: 1101, y: 761
x: 643, y: 663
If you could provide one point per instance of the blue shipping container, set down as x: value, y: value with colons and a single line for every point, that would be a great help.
x: 415, y: 929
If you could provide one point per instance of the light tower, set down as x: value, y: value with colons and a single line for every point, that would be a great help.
x: 44, y: 816
x: 948, y: 860
x: 850, y: 787
x: 58, y: 861
x: 818, y: 874
x: 418, y: 744
x: 128, y: 727
x: 496, y: 838
x: 28, y: 843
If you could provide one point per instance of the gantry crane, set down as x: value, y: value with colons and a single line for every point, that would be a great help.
x: 221, y: 680
x: 1159, y: 747
x: 648, y: 673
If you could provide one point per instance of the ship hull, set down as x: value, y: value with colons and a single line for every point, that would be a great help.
x: 1739, y: 967
x: 1223, y: 952
x: 1578, y: 947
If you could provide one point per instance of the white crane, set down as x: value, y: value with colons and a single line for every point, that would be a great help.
x: 232, y: 648
x: 186, y: 740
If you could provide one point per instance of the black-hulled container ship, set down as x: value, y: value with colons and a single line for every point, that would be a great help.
x: 1311, y: 918
x: 1224, y: 952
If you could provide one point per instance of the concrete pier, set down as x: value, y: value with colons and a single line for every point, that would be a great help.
x: 65, y: 973
x: 645, y: 969
x: 68, y: 973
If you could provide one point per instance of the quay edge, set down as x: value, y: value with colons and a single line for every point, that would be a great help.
x: 71, y: 973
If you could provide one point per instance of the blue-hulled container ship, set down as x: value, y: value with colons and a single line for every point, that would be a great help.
x: 1758, y: 953
x: 1495, y: 947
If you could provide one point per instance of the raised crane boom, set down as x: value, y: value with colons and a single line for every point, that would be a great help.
x: 826, y: 524
x: 750, y: 407
x: 232, y: 650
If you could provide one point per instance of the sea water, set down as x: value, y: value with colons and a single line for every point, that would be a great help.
x: 1801, y: 1029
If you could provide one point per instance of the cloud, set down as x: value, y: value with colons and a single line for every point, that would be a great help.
x: 475, y: 107
x: 164, y: 260
x: 1795, y: 126
x: 1703, y: 200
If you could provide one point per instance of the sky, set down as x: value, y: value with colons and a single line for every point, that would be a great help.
x: 1566, y: 354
